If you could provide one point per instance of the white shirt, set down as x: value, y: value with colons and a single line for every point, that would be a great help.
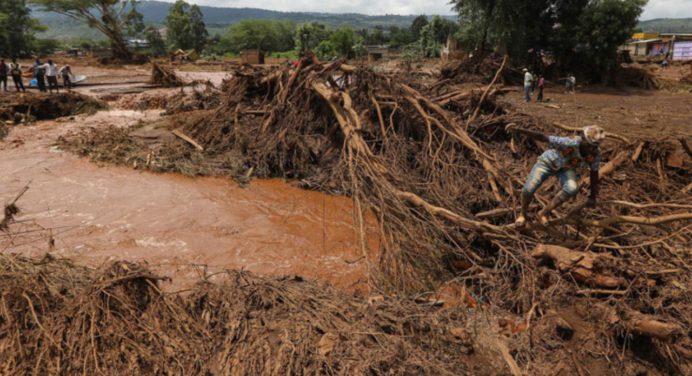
x: 528, y: 78
x: 51, y: 70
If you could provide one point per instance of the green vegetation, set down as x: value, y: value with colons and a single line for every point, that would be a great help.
x: 157, y: 46
x: 113, y: 18
x: 583, y: 35
x: 17, y: 38
x: 268, y: 36
x: 289, y: 39
x: 186, y: 28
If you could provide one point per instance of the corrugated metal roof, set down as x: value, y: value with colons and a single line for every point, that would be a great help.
x: 645, y: 41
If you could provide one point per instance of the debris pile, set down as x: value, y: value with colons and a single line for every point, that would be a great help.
x: 442, y: 175
x: 58, y: 318
x: 639, y: 76
x: 479, y: 68
x: 32, y: 106
x: 164, y: 76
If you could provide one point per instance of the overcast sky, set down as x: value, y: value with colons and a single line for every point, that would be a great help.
x: 655, y: 8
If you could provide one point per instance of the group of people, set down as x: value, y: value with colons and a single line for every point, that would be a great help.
x: 43, y: 74
x: 531, y: 84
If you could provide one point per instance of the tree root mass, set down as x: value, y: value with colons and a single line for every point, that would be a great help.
x: 435, y: 165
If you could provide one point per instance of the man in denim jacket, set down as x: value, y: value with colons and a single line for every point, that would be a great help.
x: 563, y: 157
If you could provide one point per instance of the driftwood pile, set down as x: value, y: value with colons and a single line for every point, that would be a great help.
x: 32, y: 106
x: 437, y: 168
x: 639, y: 76
x: 60, y: 319
x: 165, y: 76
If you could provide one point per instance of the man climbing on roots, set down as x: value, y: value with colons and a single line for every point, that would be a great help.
x: 561, y: 160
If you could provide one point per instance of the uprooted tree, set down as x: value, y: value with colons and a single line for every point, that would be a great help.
x: 435, y: 166
x: 110, y: 17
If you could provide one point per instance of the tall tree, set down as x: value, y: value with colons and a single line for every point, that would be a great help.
x: 605, y: 25
x: 17, y: 38
x: 309, y: 35
x: 156, y: 43
x: 134, y: 23
x: 344, y: 40
x: 264, y: 35
x: 580, y: 33
x: 186, y: 28
x: 417, y: 25
x: 107, y: 16
x: 434, y: 35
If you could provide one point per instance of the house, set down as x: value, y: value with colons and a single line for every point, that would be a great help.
x: 675, y: 46
x: 136, y: 44
x: 681, y: 46
x: 252, y: 57
x: 379, y: 52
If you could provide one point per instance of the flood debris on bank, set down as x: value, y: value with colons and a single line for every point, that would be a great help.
x: 605, y: 287
x: 27, y: 107
x: 58, y: 318
x: 165, y: 76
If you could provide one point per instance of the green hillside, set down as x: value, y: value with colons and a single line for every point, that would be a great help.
x: 667, y: 25
x: 218, y: 19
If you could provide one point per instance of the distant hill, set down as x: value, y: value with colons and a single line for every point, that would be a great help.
x: 667, y: 25
x: 218, y: 19
x: 155, y: 12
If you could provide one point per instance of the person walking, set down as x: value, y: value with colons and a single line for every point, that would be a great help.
x: 541, y: 85
x: 4, y: 72
x: 563, y: 157
x: 39, y: 75
x: 571, y: 84
x: 51, y: 71
x: 16, y: 72
x: 528, y: 80
x: 66, y: 74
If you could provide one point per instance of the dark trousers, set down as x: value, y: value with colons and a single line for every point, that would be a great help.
x: 17, y: 78
x: 53, y: 83
x: 3, y: 82
x: 66, y: 81
x: 540, y: 95
x: 41, y: 82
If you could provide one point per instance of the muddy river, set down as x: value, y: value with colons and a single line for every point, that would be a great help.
x: 182, y: 226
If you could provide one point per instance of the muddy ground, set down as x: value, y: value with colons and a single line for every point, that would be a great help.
x: 190, y: 227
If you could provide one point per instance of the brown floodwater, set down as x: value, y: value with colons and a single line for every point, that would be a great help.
x: 182, y: 226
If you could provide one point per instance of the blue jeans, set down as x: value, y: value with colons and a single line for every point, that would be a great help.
x: 527, y: 93
x: 542, y: 170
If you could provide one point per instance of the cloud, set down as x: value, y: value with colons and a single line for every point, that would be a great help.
x: 654, y: 9
x: 667, y: 9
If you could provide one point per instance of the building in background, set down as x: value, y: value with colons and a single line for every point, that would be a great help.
x: 674, y: 46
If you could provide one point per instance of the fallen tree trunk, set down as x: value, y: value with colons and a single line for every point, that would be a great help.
x: 579, y: 265
x: 649, y: 326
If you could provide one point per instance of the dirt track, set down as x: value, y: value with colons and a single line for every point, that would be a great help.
x: 630, y: 112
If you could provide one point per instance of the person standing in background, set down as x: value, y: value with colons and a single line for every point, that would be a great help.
x: 541, y: 85
x: 528, y: 80
x: 16, y: 72
x: 66, y: 73
x: 51, y: 71
x: 39, y: 75
x: 571, y: 84
x: 4, y: 72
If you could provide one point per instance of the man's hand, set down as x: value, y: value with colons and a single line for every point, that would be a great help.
x: 591, y: 202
